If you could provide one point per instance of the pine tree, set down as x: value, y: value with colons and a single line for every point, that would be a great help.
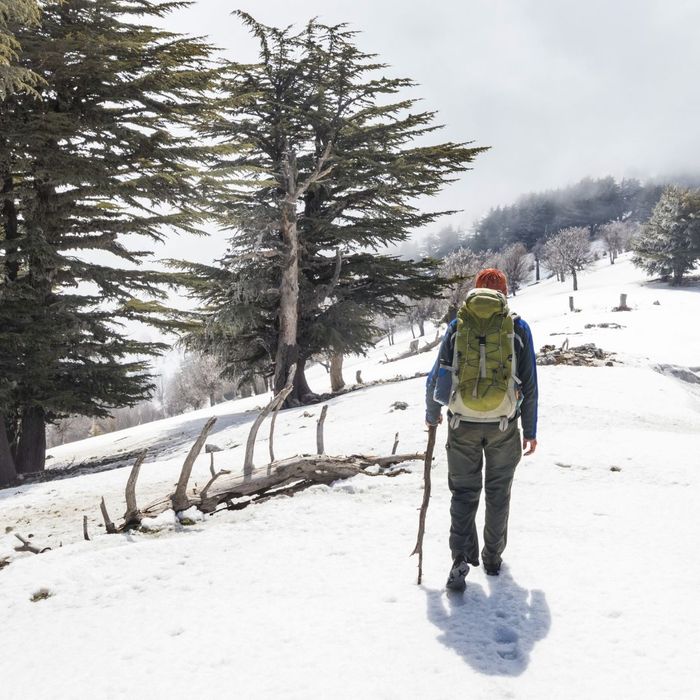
x: 106, y: 151
x: 669, y: 243
x: 13, y: 77
x: 333, y: 171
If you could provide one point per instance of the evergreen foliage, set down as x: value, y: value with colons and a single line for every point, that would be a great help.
x: 13, y: 77
x: 669, y: 243
x: 104, y: 154
x: 329, y: 171
x: 589, y: 203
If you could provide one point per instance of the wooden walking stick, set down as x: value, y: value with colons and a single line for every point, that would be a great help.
x: 432, y: 429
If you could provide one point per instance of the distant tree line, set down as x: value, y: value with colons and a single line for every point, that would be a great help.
x: 590, y: 203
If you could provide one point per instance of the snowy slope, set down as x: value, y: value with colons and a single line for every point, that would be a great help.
x: 315, y: 596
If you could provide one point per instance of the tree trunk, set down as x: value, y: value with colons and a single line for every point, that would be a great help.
x: 337, y: 381
x: 677, y: 277
x: 8, y: 473
x: 537, y: 269
x: 288, y: 316
x: 421, y: 328
x: 9, y: 224
x: 259, y: 385
x: 302, y: 391
x: 575, y: 278
x: 31, y: 449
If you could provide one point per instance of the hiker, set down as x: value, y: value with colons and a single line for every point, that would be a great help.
x: 485, y: 390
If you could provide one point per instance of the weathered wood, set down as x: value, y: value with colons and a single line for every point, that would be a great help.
x: 413, y: 350
x: 271, y: 441
x: 27, y: 546
x: 432, y: 430
x: 132, y: 516
x: 179, y: 499
x: 276, y: 402
x: 396, y: 444
x: 110, y: 528
x: 271, y: 479
x: 204, y: 493
x: 319, y: 431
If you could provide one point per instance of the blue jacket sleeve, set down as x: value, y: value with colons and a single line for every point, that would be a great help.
x: 439, y: 384
x: 527, y: 373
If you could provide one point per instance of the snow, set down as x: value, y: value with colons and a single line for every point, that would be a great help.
x: 315, y: 596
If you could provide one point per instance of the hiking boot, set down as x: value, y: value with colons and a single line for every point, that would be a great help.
x: 492, y: 571
x: 458, y: 572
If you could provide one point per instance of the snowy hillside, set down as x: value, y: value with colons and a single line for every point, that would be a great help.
x: 315, y: 596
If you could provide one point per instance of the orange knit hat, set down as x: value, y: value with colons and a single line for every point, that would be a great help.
x: 492, y: 279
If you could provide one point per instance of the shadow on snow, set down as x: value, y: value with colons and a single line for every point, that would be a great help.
x: 494, y: 631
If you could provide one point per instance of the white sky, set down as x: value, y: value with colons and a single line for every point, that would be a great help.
x: 560, y: 89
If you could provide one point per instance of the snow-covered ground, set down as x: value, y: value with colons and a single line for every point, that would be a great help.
x: 315, y: 596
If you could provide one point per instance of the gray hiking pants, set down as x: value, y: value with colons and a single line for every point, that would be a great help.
x: 468, y: 446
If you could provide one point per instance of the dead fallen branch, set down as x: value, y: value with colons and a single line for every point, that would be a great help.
x: 179, y: 498
x: 27, y: 546
x: 319, y: 430
x: 110, y: 527
x: 274, y: 405
x: 272, y: 480
x: 237, y: 490
x: 587, y: 355
x: 132, y: 516
x: 413, y: 350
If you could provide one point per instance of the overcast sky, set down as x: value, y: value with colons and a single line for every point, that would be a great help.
x: 560, y: 89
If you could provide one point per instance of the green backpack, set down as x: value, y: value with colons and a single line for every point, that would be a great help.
x: 484, y: 383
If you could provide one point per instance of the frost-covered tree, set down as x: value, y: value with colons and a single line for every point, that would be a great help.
x: 331, y: 159
x: 103, y: 153
x: 515, y: 264
x: 422, y: 310
x: 569, y: 251
x: 616, y: 236
x: 669, y: 243
x: 461, y: 268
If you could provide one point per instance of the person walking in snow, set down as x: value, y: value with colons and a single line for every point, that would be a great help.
x: 486, y: 376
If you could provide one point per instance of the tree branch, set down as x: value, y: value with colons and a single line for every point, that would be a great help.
x: 274, y: 404
x: 179, y: 498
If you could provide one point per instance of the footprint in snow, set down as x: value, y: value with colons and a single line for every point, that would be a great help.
x: 507, y: 641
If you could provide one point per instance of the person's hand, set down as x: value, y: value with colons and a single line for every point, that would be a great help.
x: 529, y: 446
x: 431, y: 425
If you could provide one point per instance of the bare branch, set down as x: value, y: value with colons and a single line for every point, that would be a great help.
x: 276, y: 402
x: 27, y: 546
x: 179, y: 498
x: 319, y: 431
x: 109, y: 525
x: 132, y: 516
